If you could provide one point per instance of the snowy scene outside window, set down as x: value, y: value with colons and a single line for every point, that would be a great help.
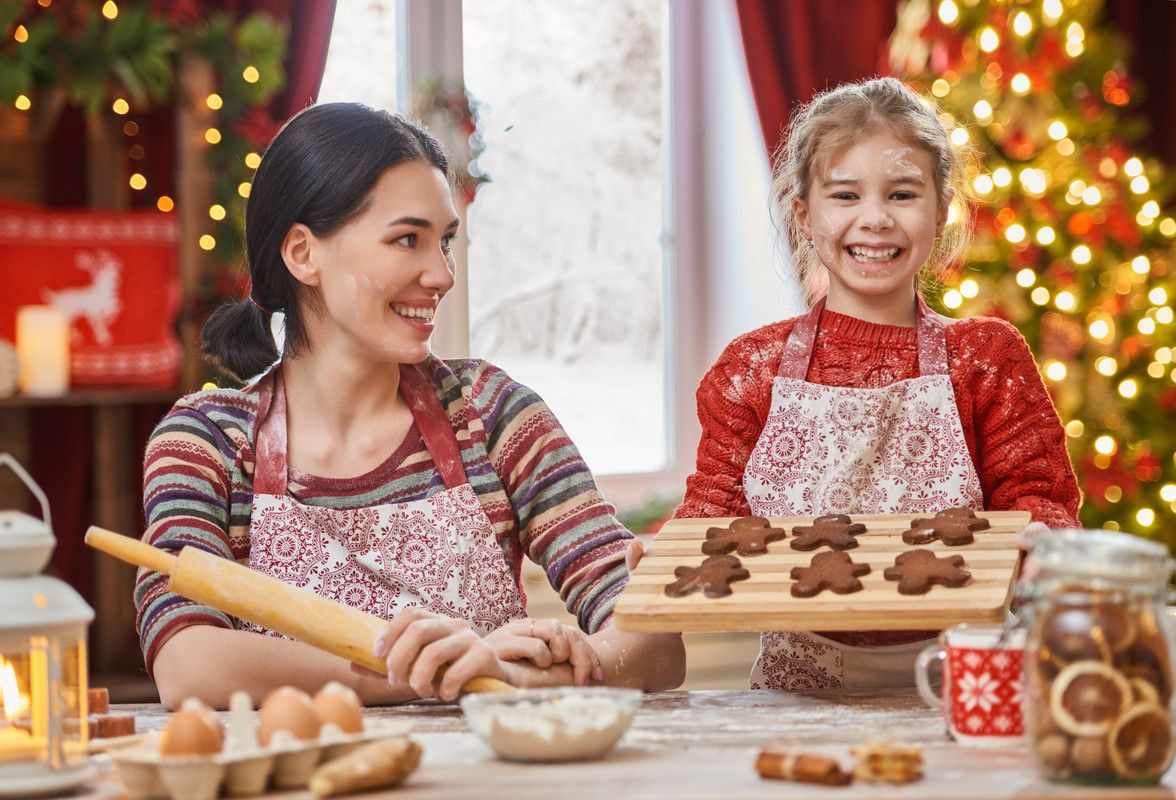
x: 361, y: 57
x: 565, y: 259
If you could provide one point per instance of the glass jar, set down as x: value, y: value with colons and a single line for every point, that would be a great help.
x: 1098, y: 670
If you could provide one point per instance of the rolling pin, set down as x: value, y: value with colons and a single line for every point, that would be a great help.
x: 263, y: 600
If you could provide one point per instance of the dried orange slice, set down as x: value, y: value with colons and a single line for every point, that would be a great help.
x: 1117, y: 624
x: 1143, y: 691
x: 1141, y: 742
x: 1087, y: 697
x: 1072, y: 633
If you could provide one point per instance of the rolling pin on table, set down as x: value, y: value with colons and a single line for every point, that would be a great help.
x: 263, y: 600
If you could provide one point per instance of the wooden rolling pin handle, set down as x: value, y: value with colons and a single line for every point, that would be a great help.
x: 130, y: 550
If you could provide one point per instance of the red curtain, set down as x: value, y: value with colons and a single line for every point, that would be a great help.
x: 795, y: 48
x: 61, y: 437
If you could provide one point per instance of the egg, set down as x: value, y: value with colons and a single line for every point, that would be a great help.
x: 339, y: 705
x: 290, y: 710
x: 193, y: 730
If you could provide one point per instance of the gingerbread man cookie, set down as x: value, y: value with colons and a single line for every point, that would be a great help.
x: 917, y: 570
x: 829, y: 570
x: 834, y: 530
x: 713, y: 576
x: 747, y: 536
x: 953, y: 527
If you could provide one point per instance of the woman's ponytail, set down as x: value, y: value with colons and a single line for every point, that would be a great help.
x: 238, y: 341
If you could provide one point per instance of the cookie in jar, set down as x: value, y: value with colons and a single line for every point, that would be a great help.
x: 1098, y: 667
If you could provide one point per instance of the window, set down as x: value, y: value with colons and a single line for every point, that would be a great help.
x: 565, y: 254
x: 361, y: 57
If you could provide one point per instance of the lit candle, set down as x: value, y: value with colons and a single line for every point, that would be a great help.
x: 42, y: 347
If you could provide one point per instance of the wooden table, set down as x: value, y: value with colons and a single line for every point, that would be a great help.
x: 685, y: 745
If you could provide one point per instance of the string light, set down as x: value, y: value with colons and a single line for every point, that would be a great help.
x: 982, y: 184
x: 138, y: 182
x: 1164, y: 356
x: 952, y: 299
x: 1080, y: 254
x: 165, y: 203
x: 217, y: 212
x: 22, y: 102
x: 1046, y: 235
x: 1146, y: 326
x: 1074, y: 47
x: 1128, y: 388
x: 1022, y: 24
x: 1155, y: 370
x: 983, y: 111
x: 1055, y: 371
x: 212, y: 136
x: 1100, y: 329
x: 1065, y: 147
x: 959, y: 136
x: 252, y: 160
x: 1015, y: 233
x: 1105, y: 445
x: 1075, y: 428
x: 940, y: 87
x: 1141, y: 265
x: 1052, y: 9
x: 1002, y: 176
x: 1026, y: 278
x: 1092, y: 196
x: 1020, y: 84
x: 1033, y: 181
x: 1133, y: 166
x: 207, y: 242
x: 949, y: 12
x: 1168, y: 226
x: 1106, y: 365
x: 1107, y: 167
x: 1065, y: 301
x: 989, y: 40
x: 1158, y: 296
x: 120, y: 106
x: 1057, y: 130
x: 243, y: 188
x: 250, y: 74
x: 21, y: 34
x: 1168, y: 492
x: 1113, y: 493
x: 1151, y: 208
x: 1165, y: 315
x: 1139, y: 184
x: 214, y: 101
x: 1040, y: 295
x: 110, y: 9
x: 1145, y: 517
x: 969, y: 288
x: 131, y: 128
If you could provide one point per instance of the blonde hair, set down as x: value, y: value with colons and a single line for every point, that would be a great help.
x: 831, y: 122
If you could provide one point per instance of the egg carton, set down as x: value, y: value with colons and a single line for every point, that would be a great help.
x: 287, y: 763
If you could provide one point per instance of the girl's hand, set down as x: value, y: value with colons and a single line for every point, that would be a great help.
x: 416, y: 644
x: 633, y: 554
x: 544, y: 642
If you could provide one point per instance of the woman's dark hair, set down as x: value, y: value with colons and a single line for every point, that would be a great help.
x: 319, y: 171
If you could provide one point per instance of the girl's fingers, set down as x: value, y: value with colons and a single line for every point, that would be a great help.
x: 474, y: 662
x: 633, y: 554
x: 395, y: 627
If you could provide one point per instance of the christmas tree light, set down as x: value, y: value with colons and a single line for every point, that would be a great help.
x: 1073, y: 230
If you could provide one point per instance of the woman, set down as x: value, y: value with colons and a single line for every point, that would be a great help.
x: 364, y: 468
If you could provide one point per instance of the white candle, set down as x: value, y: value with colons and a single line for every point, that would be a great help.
x: 42, y: 347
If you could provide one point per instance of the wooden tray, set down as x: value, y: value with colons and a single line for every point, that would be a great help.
x: 764, y: 601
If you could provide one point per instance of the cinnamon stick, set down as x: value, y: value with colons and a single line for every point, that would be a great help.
x: 801, y: 767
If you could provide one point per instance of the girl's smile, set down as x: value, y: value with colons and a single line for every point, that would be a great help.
x: 872, y: 215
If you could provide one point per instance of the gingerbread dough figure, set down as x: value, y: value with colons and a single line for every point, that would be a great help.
x: 747, y: 536
x: 713, y: 576
x: 953, y: 527
x: 918, y: 570
x: 834, y: 530
x: 828, y: 570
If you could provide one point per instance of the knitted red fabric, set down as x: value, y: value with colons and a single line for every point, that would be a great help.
x: 1013, y: 432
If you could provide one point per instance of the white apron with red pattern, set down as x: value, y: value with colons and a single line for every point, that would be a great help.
x: 438, y: 554
x: 898, y: 449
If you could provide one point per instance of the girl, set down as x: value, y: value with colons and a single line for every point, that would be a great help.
x: 366, y: 469
x: 871, y: 403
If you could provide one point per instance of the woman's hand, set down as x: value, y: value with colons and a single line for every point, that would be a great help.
x: 544, y: 642
x: 417, y: 644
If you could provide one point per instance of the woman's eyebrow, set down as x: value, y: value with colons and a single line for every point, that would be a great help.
x: 421, y: 222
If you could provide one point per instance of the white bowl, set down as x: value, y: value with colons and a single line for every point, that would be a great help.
x: 561, y: 724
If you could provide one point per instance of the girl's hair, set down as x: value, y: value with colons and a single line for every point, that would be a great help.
x: 319, y: 171
x: 831, y: 122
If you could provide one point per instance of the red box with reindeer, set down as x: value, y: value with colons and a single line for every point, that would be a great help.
x: 114, y: 274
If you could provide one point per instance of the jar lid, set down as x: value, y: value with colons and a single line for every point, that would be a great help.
x: 1103, y: 554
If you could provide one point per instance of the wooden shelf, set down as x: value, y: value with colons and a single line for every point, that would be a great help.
x: 93, y: 397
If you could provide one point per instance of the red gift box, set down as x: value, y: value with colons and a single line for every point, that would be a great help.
x: 113, y: 274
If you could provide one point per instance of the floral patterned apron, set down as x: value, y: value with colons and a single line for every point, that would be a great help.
x: 438, y: 554
x: 898, y: 449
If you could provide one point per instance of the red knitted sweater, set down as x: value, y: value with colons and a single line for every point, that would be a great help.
x: 1013, y: 432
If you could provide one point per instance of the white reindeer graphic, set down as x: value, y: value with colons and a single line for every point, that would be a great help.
x: 98, y: 302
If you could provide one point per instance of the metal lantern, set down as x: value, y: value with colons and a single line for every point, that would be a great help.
x: 43, y: 683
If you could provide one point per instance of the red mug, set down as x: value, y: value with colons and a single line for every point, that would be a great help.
x: 982, y: 696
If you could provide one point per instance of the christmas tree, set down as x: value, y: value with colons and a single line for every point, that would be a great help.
x: 1072, y: 242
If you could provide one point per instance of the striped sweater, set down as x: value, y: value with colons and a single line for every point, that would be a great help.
x: 531, y: 481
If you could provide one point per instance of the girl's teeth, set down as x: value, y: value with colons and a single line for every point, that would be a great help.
x: 874, y: 253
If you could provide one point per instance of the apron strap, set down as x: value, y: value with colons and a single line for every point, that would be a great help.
x: 931, y: 342
x: 270, y: 467
x: 430, y: 417
x: 798, y: 350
